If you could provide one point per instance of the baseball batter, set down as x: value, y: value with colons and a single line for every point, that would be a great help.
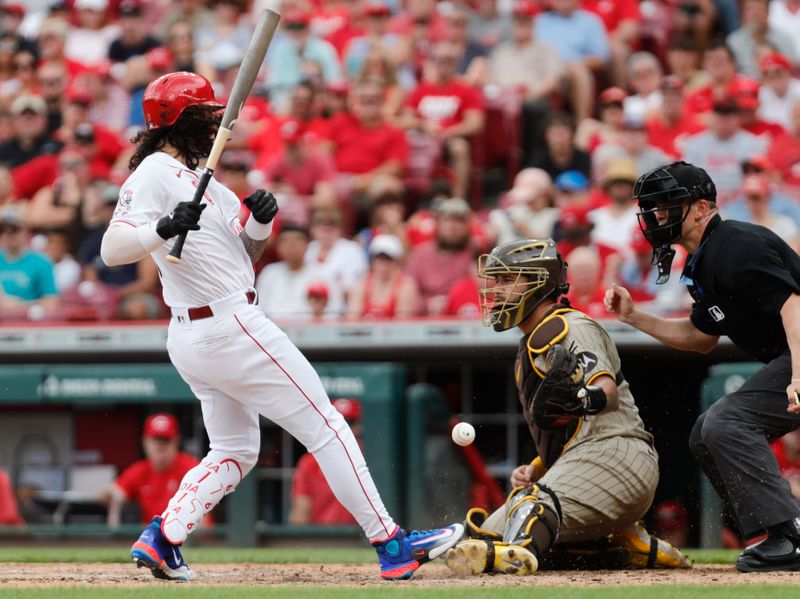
x: 596, y: 471
x: 237, y: 362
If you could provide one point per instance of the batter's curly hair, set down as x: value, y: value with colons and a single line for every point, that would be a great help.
x: 192, y: 135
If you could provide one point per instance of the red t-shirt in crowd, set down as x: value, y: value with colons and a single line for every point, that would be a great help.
x: 335, y: 26
x: 594, y: 307
x: 266, y: 143
x: 613, y: 12
x: 436, y: 271
x: 309, y: 482
x: 444, y: 104
x: 463, y: 300
x: 670, y: 138
x: 360, y: 150
x: 761, y: 128
x: 784, y: 153
x: 303, y: 178
x: 150, y: 489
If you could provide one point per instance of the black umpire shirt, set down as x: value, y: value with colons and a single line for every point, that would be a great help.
x: 740, y: 277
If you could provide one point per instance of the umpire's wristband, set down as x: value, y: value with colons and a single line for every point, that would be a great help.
x: 594, y: 400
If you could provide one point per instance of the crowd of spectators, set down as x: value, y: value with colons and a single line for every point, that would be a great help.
x: 376, y: 123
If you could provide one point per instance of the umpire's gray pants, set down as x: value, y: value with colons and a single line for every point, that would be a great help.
x: 731, y: 441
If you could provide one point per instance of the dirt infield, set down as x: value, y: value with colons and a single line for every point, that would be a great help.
x: 18, y: 575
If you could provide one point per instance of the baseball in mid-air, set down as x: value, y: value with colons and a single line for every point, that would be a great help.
x: 463, y: 433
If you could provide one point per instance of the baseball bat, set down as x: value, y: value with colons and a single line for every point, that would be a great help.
x: 253, y: 59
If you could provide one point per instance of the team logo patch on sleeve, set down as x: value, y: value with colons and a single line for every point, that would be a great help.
x: 588, y: 360
x: 124, y: 203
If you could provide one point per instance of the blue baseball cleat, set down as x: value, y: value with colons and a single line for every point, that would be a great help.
x: 401, y: 554
x: 163, y: 558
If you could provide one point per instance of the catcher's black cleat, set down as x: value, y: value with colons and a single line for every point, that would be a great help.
x: 779, y: 551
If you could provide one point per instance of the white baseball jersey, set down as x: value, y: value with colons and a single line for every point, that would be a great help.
x: 214, y: 263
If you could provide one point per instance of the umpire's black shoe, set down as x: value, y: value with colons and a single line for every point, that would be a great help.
x: 779, y: 551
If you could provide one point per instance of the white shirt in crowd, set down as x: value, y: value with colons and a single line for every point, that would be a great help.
x: 615, y: 231
x: 774, y: 109
x: 283, y: 293
x: 782, y: 19
x: 346, y: 262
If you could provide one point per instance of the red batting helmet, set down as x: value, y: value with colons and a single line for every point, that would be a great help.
x: 169, y: 95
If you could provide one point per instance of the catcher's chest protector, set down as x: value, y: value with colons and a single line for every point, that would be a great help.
x: 549, y: 443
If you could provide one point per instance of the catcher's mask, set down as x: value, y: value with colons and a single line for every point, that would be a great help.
x: 664, y: 194
x: 538, y: 272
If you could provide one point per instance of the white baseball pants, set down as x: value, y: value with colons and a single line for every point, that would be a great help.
x: 239, y: 364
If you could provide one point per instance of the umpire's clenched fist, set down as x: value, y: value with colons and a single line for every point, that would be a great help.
x: 184, y: 217
x: 262, y: 205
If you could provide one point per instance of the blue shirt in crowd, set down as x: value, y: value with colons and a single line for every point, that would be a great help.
x: 576, y: 37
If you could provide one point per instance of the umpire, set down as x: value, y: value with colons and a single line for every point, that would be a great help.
x: 745, y: 282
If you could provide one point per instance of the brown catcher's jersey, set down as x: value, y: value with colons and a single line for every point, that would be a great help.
x: 579, y: 333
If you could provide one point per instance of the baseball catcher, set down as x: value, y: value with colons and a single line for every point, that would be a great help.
x: 579, y: 502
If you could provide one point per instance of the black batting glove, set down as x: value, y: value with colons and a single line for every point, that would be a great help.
x: 262, y: 205
x: 185, y: 217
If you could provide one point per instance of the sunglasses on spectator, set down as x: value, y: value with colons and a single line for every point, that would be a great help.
x: 383, y: 256
x: 444, y: 59
x: 10, y: 229
x: 611, y: 105
x: 775, y: 73
x: 50, y: 81
x: 297, y: 27
x: 370, y: 100
x: 69, y: 165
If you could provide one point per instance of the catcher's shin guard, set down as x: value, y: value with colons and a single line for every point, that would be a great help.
x: 474, y: 522
x: 533, y: 520
x: 478, y: 556
x: 647, y: 551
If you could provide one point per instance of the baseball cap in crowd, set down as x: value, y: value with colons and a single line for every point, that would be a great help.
x: 575, y: 219
x: 775, y: 61
x: 756, y: 164
x: 671, y: 83
x: 161, y: 426
x: 620, y: 170
x: 670, y: 515
x: 129, y: 8
x: 296, y: 18
x: 522, y: 8
x: 633, y: 123
x: 97, y: 5
x: 457, y: 207
x: 745, y: 91
x: 78, y: 95
x: 318, y: 289
x: 84, y: 133
x: 341, y: 88
x: 612, y: 95
x: 292, y: 130
x: 159, y: 59
x: 386, y: 245
x: 376, y: 9
x: 28, y: 103
x: 16, y: 9
x: 236, y: 160
x: 350, y: 409
x: 571, y: 181
x: 726, y: 105
x: 53, y: 27
x: 11, y: 215
x: 755, y: 184
x: 110, y: 194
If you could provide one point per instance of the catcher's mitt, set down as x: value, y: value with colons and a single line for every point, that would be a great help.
x: 556, y: 402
